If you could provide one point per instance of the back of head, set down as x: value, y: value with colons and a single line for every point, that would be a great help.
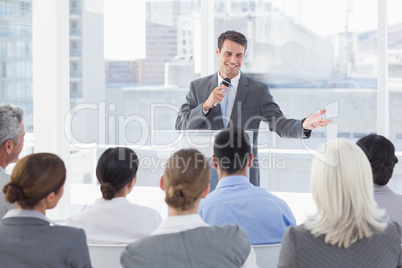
x: 34, y: 177
x: 186, y: 176
x: 341, y: 185
x: 116, y: 167
x: 10, y: 118
x: 381, y: 154
x: 232, y: 150
x: 234, y: 37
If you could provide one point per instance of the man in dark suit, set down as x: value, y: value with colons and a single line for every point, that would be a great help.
x: 213, y: 106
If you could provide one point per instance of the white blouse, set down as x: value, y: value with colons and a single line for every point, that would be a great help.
x: 116, y: 221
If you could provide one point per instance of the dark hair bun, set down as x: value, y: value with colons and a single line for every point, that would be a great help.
x: 108, y: 190
x: 13, y: 193
x: 382, y: 172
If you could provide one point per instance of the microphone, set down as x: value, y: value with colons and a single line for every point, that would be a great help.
x: 226, y: 82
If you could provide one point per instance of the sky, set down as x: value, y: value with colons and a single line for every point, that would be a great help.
x: 124, y: 29
x: 125, y: 20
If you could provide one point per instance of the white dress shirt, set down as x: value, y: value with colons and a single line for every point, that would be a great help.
x: 116, y: 221
x: 175, y: 224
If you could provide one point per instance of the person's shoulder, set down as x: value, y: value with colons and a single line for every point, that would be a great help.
x: 144, y: 251
x: 391, y: 235
x: 297, y: 231
x: 144, y: 211
x: 141, y: 207
x: 231, y: 229
x: 232, y: 232
x: 80, y: 217
x: 396, y: 195
x: 67, y: 233
x: 234, y: 235
x: 68, y: 230
x: 385, y: 190
x: 259, y: 192
x: 211, y: 199
x: 145, y: 242
x: 393, y: 228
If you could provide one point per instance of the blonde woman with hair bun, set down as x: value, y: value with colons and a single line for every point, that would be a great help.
x: 184, y: 239
x: 348, y: 230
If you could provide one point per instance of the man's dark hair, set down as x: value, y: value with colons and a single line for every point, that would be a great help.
x: 232, y: 150
x: 234, y: 37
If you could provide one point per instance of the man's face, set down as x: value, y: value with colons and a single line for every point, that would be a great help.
x: 230, y: 58
x: 18, y: 147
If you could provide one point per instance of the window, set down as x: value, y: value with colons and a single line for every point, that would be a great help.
x: 16, y: 60
x: 314, y: 64
x: 304, y: 61
x: 394, y: 87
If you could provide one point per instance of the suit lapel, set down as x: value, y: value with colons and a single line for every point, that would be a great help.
x: 241, y: 95
x: 216, y: 112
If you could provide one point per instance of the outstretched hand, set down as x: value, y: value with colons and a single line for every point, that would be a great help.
x: 314, y: 120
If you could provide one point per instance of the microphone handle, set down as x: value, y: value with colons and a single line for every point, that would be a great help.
x: 226, y: 82
x: 216, y: 103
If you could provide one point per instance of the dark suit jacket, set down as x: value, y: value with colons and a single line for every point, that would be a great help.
x: 32, y: 242
x: 253, y: 104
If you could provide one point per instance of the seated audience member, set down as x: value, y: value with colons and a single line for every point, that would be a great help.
x: 348, y: 229
x: 11, y: 142
x: 381, y: 155
x: 28, y: 237
x: 184, y: 239
x: 113, y: 219
x: 262, y: 215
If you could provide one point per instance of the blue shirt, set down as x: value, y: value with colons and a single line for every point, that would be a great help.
x: 263, y: 216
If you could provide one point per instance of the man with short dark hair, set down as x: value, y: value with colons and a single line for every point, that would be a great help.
x: 12, y: 134
x: 263, y: 216
x: 244, y: 103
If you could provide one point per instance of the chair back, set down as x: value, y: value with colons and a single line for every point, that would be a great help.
x: 105, y: 255
x: 267, y: 255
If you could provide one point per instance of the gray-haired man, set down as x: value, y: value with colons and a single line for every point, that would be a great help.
x: 12, y: 134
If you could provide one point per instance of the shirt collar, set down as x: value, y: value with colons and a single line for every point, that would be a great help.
x: 234, y: 82
x: 379, y: 188
x: 26, y: 213
x: 233, y: 180
x: 117, y: 201
x: 2, y: 169
x: 175, y: 224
